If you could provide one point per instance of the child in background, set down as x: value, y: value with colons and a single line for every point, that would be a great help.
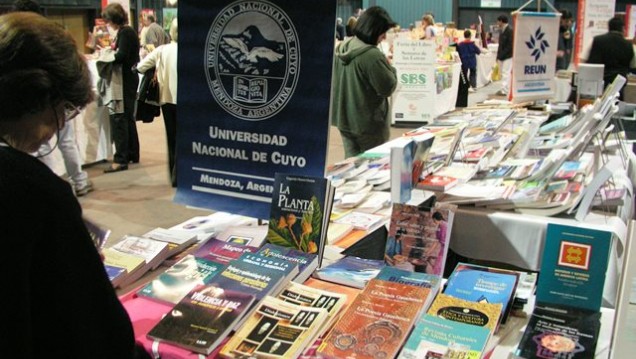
x: 468, y: 52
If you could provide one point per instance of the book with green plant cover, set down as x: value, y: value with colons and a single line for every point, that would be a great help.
x: 299, y: 213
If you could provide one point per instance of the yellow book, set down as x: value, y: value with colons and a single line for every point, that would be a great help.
x: 464, y: 311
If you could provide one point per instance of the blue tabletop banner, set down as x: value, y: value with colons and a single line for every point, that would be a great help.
x: 253, y: 98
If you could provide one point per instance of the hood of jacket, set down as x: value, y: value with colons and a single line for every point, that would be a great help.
x: 350, y: 49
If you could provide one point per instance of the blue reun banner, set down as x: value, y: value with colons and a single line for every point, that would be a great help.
x: 253, y: 98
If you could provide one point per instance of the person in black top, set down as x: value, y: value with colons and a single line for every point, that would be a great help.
x: 566, y: 40
x: 504, y: 54
x: 123, y: 127
x: 57, y: 299
x: 613, y: 51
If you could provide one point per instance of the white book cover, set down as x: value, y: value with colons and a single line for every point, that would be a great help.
x: 146, y: 248
x: 171, y: 236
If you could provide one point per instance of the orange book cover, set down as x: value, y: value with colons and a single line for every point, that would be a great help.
x: 377, y: 322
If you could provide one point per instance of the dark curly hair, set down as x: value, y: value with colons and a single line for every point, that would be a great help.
x: 40, y: 66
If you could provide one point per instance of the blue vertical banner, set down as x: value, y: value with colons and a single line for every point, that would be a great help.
x: 253, y: 98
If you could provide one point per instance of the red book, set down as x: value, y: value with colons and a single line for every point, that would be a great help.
x: 437, y: 183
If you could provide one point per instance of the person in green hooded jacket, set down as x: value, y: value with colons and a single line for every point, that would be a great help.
x: 363, y: 80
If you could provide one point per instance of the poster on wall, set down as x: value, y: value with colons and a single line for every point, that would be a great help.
x: 414, y: 97
x: 591, y: 20
x: 630, y: 21
x: 534, y: 55
x: 253, y: 99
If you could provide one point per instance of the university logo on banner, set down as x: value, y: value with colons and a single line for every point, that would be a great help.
x: 534, y: 55
x: 254, y: 91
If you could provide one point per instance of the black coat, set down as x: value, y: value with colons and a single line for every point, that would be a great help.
x: 504, y: 52
x: 613, y: 51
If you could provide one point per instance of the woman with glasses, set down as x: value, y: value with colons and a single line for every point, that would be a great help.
x: 57, y: 299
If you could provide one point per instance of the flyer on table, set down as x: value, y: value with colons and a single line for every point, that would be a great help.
x: 254, y: 88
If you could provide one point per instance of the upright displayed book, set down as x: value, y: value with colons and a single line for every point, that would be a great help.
x: 276, y: 329
x: 306, y: 262
x: 350, y: 271
x: 201, y: 320
x: 565, y: 322
x: 483, y: 284
x: 418, y: 238
x: 402, y: 170
x: 377, y: 323
x: 299, y: 214
x: 435, y: 337
x: 178, y: 280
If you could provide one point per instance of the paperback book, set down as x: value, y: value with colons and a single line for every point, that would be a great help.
x: 222, y: 252
x: 361, y: 220
x: 435, y: 337
x: 253, y: 236
x: 402, y: 170
x: 178, y: 280
x: 276, y: 329
x: 306, y: 262
x: 133, y: 265
x: 464, y: 311
x: 424, y: 280
x: 351, y: 271
x: 115, y: 274
x: 418, y: 238
x: 299, y: 214
x: 152, y: 251
x: 377, y: 322
x: 484, y: 285
x: 201, y: 320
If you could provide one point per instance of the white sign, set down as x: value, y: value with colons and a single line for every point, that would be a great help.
x: 414, y: 98
x: 491, y: 3
x: 591, y: 20
x: 534, y: 55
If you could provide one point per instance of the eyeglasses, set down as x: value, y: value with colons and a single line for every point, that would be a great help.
x: 70, y: 111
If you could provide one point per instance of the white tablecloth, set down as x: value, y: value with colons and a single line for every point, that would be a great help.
x: 485, y: 63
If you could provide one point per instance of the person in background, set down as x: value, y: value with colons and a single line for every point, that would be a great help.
x: 340, y: 30
x: 123, y: 127
x: 428, y: 26
x: 351, y: 24
x: 504, y: 54
x: 65, y: 137
x: 61, y: 302
x: 155, y: 36
x: 142, y: 36
x: 468, y: 52
x: 566, y: 40
x: 362, y: 82
x: 164, y: 59
x: 613, y: 51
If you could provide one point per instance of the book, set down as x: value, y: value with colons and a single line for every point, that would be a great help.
x: 350, y: 271
x: 299, y: 214
x: 424, y: 280
x: 435, y: 337
x: 418, y: 238
x: 573, y: 267
x: 350, y: 292
x: 306, y: 262
x: 483, y: 284
x: 201, y: 320
x: 98, y: 234
x: 132, y: 264
x: 377, y: 322
x: 437, y: 183
x: 253, y: 236
x: 422, y: 148
x: 337, y: 231
x: 177, y: 240
x: 115, y: 274
x: 304, y: 295
x: 276, y: 329
x: 222, y: 252
x: 361, y: 220
x: 178, y: 280
x: 559, y: 332
x: 464, y: 311
x: 402, y: 170
x: 152, y: 251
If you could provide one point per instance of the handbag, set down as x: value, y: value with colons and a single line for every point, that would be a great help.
x: 148, y: 98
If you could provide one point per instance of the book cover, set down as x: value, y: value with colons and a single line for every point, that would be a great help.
x: 350, y: 292
x: 276, y: 329
x: 252, y: 236
x: 289, y: 269
x: 424, y: 280
x: 435, y: 337
x: 338, y: 231
x: 178, y: 280
x: 132, y: 264
x: 437, y: 183
x: 115, y: 274
x: 402, y: 170
x: 483, y: 284
x: 559, y: 332
x: 152, y: 251
x: 422, y: 147
x: 418, y: 238
x: 222, y: 252
x: 306, y: 262
x: 361, y: 220
x: 299, y: 214
x: 202, y: 319
x: 377, y: 322
x: 464, y: 311
x: 351, y: 271
x: 573, y: 267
